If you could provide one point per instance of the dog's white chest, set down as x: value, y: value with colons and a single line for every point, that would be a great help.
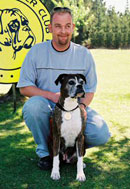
x: 71, y: 126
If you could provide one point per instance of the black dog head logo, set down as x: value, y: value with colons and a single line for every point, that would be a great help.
x: 15, y: 31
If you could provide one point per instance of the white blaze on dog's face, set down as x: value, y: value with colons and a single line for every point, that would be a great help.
x: 75, y: 87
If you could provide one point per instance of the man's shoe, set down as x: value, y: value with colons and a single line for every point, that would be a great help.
x: 45, y: 163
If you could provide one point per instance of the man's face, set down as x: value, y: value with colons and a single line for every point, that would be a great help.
x: 61, y: 29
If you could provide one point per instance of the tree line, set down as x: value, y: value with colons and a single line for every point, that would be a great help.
x: 97, y: 26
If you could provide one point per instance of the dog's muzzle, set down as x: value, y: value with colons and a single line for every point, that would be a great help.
x: 80, y: 91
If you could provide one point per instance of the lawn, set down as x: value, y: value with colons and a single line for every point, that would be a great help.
x: 108, y: 166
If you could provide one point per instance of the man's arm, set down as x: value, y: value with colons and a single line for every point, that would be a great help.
x: 30, y: 91
x: 88, y: 99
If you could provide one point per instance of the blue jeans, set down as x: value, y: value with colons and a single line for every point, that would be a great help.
x: 36, y: 113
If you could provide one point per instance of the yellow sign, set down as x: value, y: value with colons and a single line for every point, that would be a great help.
x: 23, y: 23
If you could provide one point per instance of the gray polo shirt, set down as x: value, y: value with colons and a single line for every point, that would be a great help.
x: 43, y: 64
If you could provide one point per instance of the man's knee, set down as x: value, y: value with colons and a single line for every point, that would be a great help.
x: 97, y: 136
x: 35, y: 106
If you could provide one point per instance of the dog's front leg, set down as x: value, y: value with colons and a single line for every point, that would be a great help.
x: 55, y: 174
x: 79, y: 148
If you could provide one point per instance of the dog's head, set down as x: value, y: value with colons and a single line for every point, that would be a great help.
x: 15, y: 31
x: 72, y: 85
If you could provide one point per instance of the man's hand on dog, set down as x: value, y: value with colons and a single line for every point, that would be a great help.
x: 55, y: 97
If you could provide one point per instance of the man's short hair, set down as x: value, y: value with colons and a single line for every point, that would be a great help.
x: 60, y: 10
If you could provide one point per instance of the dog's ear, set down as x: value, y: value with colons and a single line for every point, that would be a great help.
x: 83, y: 77
x: 60, y: 78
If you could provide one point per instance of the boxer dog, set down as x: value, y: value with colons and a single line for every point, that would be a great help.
x: 68, y: 124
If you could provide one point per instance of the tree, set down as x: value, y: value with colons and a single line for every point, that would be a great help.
x: 48, y: 4
x: 95, y: 25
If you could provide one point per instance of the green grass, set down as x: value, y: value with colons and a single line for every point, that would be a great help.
x: 107, y: 166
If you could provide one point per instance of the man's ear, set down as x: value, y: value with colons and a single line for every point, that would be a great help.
x: 73, y: 27
x: 50, y: 28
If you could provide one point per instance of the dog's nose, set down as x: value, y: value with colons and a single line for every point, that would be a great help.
x: 79, y: 87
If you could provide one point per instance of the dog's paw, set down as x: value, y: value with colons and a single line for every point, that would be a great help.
x: 81, y: 177
x: 55, y: 175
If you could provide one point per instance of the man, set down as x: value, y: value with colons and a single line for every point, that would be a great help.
x: 41, y: 67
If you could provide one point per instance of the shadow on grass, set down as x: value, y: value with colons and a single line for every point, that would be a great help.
x: 112, y: 166
x: 7, y: 108
x: 18, y: 161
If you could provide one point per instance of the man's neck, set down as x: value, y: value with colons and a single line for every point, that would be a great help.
x: 60, y: 48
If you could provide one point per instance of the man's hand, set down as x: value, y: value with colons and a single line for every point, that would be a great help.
x: 55, y: 97
x: 30, y: 91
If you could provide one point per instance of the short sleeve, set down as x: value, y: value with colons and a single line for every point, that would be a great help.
x: 90, y: 74
x: 28, y: 75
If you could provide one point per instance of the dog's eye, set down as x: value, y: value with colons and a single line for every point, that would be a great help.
x: 82, y: 82
x: 71, y: 82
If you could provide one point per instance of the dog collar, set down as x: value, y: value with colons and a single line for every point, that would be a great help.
x: 59, y: 106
